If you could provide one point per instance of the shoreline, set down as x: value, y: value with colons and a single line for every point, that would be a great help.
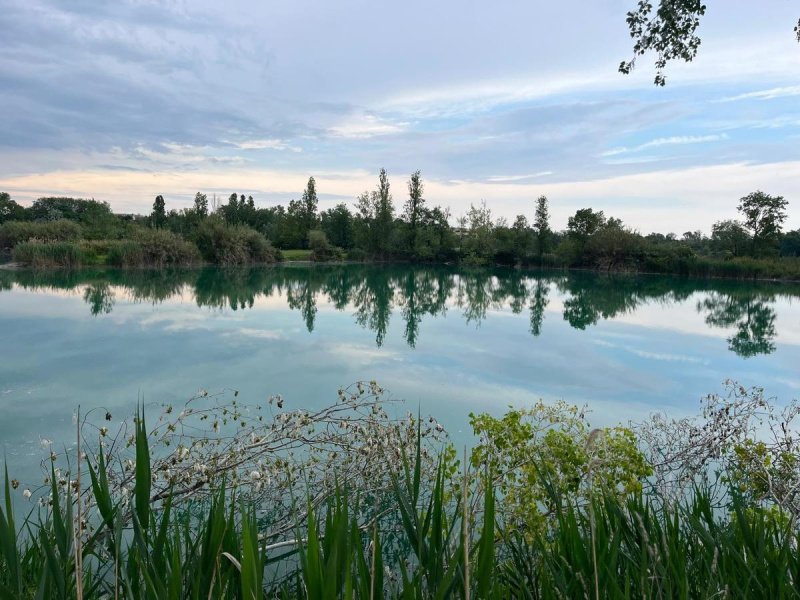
x: 17, y: 266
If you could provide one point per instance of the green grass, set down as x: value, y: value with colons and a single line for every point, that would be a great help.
x: 296, y: 254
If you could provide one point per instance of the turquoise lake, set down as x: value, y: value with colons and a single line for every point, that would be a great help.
x: 448, y: 341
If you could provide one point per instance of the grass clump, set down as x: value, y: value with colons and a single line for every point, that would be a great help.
x: 48, y: 254
x: 13, y: 233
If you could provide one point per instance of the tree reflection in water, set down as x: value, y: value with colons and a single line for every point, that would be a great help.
x: 375, y: 292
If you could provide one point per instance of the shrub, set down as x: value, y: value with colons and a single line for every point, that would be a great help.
x: 48, y: 254
x: 233, y: 244
x: 153, y: 248
x: 15, y: 232
x: 321, y: 248
x: 356, y: 254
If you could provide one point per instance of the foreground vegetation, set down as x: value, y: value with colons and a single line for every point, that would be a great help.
x: 66, y: 231
x: 225, y: 500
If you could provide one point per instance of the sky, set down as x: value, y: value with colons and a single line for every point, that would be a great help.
x: 497, y: 101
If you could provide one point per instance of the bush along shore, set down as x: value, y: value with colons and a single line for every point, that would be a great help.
x: 220, y: 499
x: 58, y: 231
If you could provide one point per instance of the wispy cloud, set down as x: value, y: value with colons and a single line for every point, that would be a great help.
x: 770, y: 94
x: 264, y: 144
x: 512, y: 178
x: 677, y: 140
x: 365, y: 126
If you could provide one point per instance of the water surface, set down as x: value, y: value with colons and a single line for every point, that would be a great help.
x: 448, y: 341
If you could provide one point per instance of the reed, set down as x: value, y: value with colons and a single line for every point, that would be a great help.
x: 451, y: 532
x: 49, y: 254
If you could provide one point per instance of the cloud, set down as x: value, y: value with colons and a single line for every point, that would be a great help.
x: 220, y: 98
x: 365, y: 126
x: 676, y: 140
x: 513, y: 178
x: 650, y: 201
x: 770, y: 94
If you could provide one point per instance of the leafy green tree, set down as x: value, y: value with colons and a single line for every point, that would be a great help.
x: 414, y: 207
x: 375, y: 218
x: 479, y: 244
x: 763, y: 217
x: 613, y: 246
x: 670, y: 31
x: 437, y: 221
x: 585, y: 222
x: 230, y: 211
x: 158, y: 218
x: 10, y: 210
x: 384, y: 214
x: 201, y: 205
x: 309, y: 205
x: 337, y: 223
x: 541, y: 225
x: 730, y: 238
x: 790, y: 243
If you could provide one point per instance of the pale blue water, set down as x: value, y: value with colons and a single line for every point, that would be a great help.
x: 447, y: 341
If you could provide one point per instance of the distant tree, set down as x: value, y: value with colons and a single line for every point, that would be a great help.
x: 669, y: 31
x: 375, y: 218
x: 158, y: 218
x: 613, y: 246
x: 10, y: 210
x: 310, y: 203
x: 541, y: 225
x: 251, y: 204
x: 384, y: 214
x: 201, y: 205
x: 230, y: 211
x: 790, y: 243
x: 337, y: 224
x: 303, y: 213
x: 479, y: 244
x: 730, y: 237
x: 437, y: 221
x: 585, y: 222
x: 414, y: 206
x: 763, y: 217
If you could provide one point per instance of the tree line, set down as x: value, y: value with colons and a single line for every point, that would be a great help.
x: 375, y: 228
